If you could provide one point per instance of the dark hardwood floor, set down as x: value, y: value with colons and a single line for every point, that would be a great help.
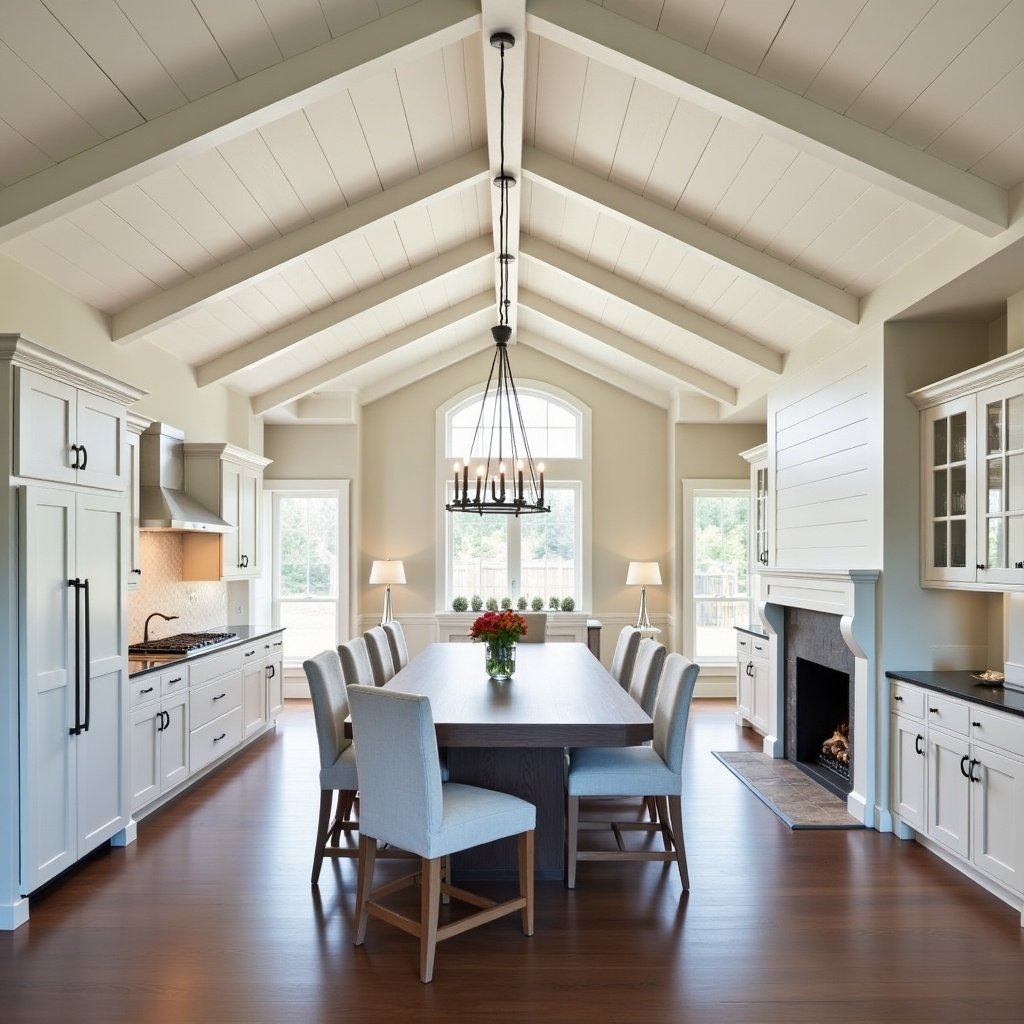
x: 209, y: 917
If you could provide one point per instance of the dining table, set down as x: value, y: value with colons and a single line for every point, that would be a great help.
x: 512, y: 734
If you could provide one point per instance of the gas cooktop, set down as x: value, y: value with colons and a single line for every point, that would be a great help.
x: 179, y: 644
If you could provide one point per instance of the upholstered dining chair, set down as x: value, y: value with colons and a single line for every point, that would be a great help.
x: 624, y: 655
x: 396, y: 641
x: 646, y: 674
x: 536, y: 627
x: 379, y: 650
x: 404, y: 802
x: 643, y: 771
x: 355, y: 662
x: 337, y: 757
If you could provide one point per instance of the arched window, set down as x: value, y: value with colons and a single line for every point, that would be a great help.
x: 534, y: 556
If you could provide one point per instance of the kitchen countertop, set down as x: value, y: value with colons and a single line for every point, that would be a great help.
x: 754, y: 629
x: 246, y: 633
x: 960, y: 684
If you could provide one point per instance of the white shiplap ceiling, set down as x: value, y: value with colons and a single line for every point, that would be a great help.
x: 294, y: 196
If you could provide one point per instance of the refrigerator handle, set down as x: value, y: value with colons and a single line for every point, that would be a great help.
x: 76, y: 583
x: 87, y: 629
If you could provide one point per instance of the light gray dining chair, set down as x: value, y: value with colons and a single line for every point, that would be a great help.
x: 536, y: 627
x: 624, y: 655
x: 355, y: 662
x: 337, y: 758
x: 396, y: 641
x: 379, y: 650
x: 642, y: 771
x: 404, y: 802
x: 646, y: 674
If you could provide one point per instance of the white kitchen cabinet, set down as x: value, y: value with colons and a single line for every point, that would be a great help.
x: 972, y: 776
x: 136, y: 425
x: 74, y: 679
x: 254, y: 688
x: 274, y: 668
x: 753, y: 678
x: 229, y: 481
x: 972, y: 485
x: 159, y: 734
x: 66, y: 434
x: 215, y: 707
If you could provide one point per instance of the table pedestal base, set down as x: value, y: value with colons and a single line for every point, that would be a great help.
x: 535, y: 774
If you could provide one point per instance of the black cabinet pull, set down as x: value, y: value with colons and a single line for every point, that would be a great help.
x: 220, y: 696
x: 897, y: 697
x: 963, y: 766
x: 979, y: 566
x: 970, y: 772
x: 148, y: 689
x: 271, y: 671
x: 76, y: 729
x: 933, y: 711
x: 217, y: 739
x: 176, y: 679
x: 279, y: 643
x: 77, y: 449
x: 245, y: 561
x: 138, y: 572
x: 85, y: 456
x: 917, y: 744
x: 1018, y: 565
x: 249, y: 654
x: 977, y: 725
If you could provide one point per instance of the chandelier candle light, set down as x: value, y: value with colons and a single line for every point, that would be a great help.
x: 506, y: 430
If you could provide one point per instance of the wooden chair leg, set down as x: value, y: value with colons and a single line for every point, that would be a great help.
x: 662, y: 805
x: 346, y: 798
x: 675, y: 808
x: 323, y: 825
x: 430, y: 906
x: 526, y: 878
x: 652, y: 809
x: 446, y: 877
x: 572, y: 818
x: 364, y: 883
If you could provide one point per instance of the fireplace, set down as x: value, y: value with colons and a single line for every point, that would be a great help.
x: 822, y: 745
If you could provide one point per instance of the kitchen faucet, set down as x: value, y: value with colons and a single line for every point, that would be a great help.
x: 145, y: 628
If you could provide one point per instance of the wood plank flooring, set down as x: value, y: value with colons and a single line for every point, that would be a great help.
x: 209, y: 917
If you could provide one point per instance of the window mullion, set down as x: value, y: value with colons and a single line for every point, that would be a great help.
x: 515, y: 562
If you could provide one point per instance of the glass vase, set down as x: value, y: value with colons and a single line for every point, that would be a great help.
x: 500, y: 658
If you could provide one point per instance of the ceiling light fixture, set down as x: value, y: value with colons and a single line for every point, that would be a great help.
x: 523, y: 490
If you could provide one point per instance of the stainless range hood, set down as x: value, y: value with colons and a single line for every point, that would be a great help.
x: 163, y: 503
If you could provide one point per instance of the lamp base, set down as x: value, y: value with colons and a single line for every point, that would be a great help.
x: 386, y: 616
x: 642, y: 620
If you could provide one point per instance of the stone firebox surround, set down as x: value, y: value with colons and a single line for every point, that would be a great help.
x: 849, y: 594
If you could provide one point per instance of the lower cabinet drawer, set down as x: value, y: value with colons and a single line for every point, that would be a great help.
x: 214, y: 739
x: 205, y: 703
x: 998, y: 730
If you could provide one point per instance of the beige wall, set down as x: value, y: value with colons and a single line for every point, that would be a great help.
x: 311, y: 452
x: 399, y: 507
x: 43, y: 313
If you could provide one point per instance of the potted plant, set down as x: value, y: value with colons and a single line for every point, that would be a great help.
x: 499, y: 632
x: 568, y: 604
x: 459, y: 604
x: 537, y: 604
x: 476, y: 602
x: 491, y: 604
x: 554, y: 604
x: 522, y: 603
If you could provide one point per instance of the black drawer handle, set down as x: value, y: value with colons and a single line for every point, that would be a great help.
x: 977, y: 725
x: 279, y: 643
x: 217, y: 739
x: 249, y: 654
x: 148, y: 689
x: 138, y: 572
x: 176, y: 679
x: 970, y: 772
x: 963, y: 766
x: 917, y: 744
x: 898, y: 697
x: 220, y: 696
x: 933, y: 711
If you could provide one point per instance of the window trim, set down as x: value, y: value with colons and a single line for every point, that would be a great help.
x: 691, y: 489
x: 577, y: 472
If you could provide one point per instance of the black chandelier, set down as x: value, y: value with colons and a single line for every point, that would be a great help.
x: 518, y: 487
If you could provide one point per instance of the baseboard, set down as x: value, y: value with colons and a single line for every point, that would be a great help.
x: 13, y: 915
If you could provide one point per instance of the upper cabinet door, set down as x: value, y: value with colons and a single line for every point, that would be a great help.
x: 68, y: 435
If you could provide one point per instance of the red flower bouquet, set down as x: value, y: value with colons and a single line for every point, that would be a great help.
x: 499, y: 631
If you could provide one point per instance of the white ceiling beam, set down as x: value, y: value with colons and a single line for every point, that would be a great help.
x: 299, y: 387
x: 712, y: 386
x: 593, y: 368
x: 240, y: 107
x: 421, y: 369
x: 164, y: 307
x: 505, y: 16
x: 257, y: 351
x: 601, y: 194
x: 699, y: 78
x: 650, y: 302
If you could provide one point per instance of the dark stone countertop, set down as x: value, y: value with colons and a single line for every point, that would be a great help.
x: 961, y: 684
x: 754, y: 629
x: 246, y: 633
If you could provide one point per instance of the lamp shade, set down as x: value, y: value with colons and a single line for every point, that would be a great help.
x: 643, y: 574
x: 387, y: 571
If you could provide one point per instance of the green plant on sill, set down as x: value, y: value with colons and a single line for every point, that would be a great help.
x: 460, y: 604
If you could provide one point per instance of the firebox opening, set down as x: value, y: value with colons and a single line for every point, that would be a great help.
x: 823, y: 747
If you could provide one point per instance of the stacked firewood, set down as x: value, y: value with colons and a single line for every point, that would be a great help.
x: 838, y: 744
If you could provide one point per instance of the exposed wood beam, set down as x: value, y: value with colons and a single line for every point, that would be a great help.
x: 275, y: 342
x: 593, y: 367
x: 245, y: 105
x: 657, y: 305
x: 167, y: 306
x: 597, y: 192
x: 505, y: 16
x: 701, y: 79
x: 302, y: 385
x: 712, y: 386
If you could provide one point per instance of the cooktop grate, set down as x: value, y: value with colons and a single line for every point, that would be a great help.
x: 181, y: 643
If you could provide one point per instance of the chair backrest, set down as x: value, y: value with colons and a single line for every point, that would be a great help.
x: 672, y: 708
x: 536, y: 627
x: 624, y: 654
x: 396, y: 640
x: 379, y: 650
x: 355, y: 662
x: 646, y: 675
x: 400, y: 796
x: 330, y: 704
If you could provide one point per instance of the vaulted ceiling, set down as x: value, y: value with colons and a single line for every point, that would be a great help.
x: 295, y: 196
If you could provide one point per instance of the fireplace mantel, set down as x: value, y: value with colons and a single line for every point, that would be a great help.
x: 850, y: 595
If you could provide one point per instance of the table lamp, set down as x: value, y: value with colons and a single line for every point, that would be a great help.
x: 643, y: 574
x: 387, y: 572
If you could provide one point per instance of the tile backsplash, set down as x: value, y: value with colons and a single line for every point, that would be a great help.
x: 198, y: 606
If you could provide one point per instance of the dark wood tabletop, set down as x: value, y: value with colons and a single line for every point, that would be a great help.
x: 560, y: 696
